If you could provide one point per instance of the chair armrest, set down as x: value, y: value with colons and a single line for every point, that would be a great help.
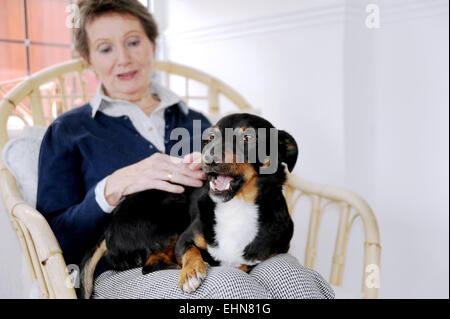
x: 347, y: 200
x: 339, y: 194
x: 40, y: 246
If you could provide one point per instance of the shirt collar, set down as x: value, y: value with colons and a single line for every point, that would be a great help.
x: 167, y: 98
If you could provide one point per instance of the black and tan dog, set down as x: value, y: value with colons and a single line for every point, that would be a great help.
x: 241, y: 217
x: 238, y: 218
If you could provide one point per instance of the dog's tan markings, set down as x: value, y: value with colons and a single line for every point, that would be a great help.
x: 246, y: 170
x: 249, y: 191
x: 192, y: 266
x: 88, y: 271
x: 243, y: 267
x: 199, y: 241
x: 290, y: 147
x: 243, y: 129
x: 167, y: 255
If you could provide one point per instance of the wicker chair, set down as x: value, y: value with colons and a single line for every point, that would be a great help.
x: 51, y: 92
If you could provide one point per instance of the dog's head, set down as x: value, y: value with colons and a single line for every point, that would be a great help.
x: 242, y: 152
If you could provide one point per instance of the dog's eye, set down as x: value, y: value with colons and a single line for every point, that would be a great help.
x: 248, y: 138
x: 212, y: 137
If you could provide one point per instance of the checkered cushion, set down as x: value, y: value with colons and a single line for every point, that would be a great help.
x: 281, y: 276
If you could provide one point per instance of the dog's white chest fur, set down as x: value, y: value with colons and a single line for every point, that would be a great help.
x: 236, y: 227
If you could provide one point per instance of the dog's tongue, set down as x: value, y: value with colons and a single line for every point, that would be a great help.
x: 222, y: 182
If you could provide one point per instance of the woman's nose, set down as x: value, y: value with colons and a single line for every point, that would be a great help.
x: 124, y: 56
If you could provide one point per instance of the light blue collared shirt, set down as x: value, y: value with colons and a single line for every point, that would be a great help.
x: 150, y: 127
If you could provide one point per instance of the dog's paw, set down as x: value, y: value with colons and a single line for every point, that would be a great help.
x: 192, y: 275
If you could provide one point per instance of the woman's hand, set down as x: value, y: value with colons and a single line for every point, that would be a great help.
x: 159, y: 171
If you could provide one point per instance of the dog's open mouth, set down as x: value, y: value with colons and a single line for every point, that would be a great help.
x: 223, y: 181
x: 224, y: 186
x: 220, y: 183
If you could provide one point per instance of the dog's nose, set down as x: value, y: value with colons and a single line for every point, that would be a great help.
x: 213, y: 159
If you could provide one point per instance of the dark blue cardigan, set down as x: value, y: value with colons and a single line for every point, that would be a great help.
x: 76, y: 153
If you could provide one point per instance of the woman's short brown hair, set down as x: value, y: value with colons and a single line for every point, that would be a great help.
x: 91, y: 9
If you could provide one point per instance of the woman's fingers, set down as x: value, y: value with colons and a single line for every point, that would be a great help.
x: 193, y: 158
x: 175, y: 177
x: 178, y: 165
x: 167, y: 187
x: 195, y: 166
x: 161, y: 170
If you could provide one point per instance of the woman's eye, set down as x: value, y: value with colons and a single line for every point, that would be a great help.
x: 211, y: 137
x: 134, y: 43
x: 105, y: 49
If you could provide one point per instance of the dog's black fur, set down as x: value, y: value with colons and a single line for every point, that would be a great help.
x: 274, y: 227
x: 141, y: 232
x: 159, y: 230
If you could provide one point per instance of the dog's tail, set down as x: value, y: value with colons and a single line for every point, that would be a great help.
x: 88, y: 268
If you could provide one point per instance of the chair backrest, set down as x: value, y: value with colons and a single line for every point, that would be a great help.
x: 41, y: 97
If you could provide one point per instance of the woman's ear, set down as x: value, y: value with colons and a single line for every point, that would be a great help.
x: 85, y: 58
x: 88, y: 63
x: 288, y: 149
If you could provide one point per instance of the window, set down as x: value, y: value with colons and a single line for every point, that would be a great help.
x: 33, y: 35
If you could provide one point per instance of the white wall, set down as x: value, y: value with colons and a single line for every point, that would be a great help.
x: 411, y: 148
x: 368, y: 106
x: 260, y: 54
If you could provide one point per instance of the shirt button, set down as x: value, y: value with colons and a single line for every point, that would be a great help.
x: 150, y: 129
x: 150, y: 146
x: 125, y: 117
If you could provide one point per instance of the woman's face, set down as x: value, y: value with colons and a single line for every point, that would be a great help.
x: 122, y: 55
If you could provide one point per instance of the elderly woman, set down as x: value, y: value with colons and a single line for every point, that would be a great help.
x: 118, y: 144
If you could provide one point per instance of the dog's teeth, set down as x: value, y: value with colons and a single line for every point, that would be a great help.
x: 228, y: 186
x: 212, y: 186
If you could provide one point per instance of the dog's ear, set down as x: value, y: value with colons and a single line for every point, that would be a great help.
x: 288, y: 149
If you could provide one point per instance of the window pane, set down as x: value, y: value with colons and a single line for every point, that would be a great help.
x: 74, y: 91
x: 199, y: 105
x: 44, y: 56
x: 12, y: 21
x: 197, y: 89
x: 178, y: 84
x: 47, y: 21
x: 13, y: 61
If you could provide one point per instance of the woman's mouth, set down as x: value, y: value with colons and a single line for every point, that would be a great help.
x: 127, y: 76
